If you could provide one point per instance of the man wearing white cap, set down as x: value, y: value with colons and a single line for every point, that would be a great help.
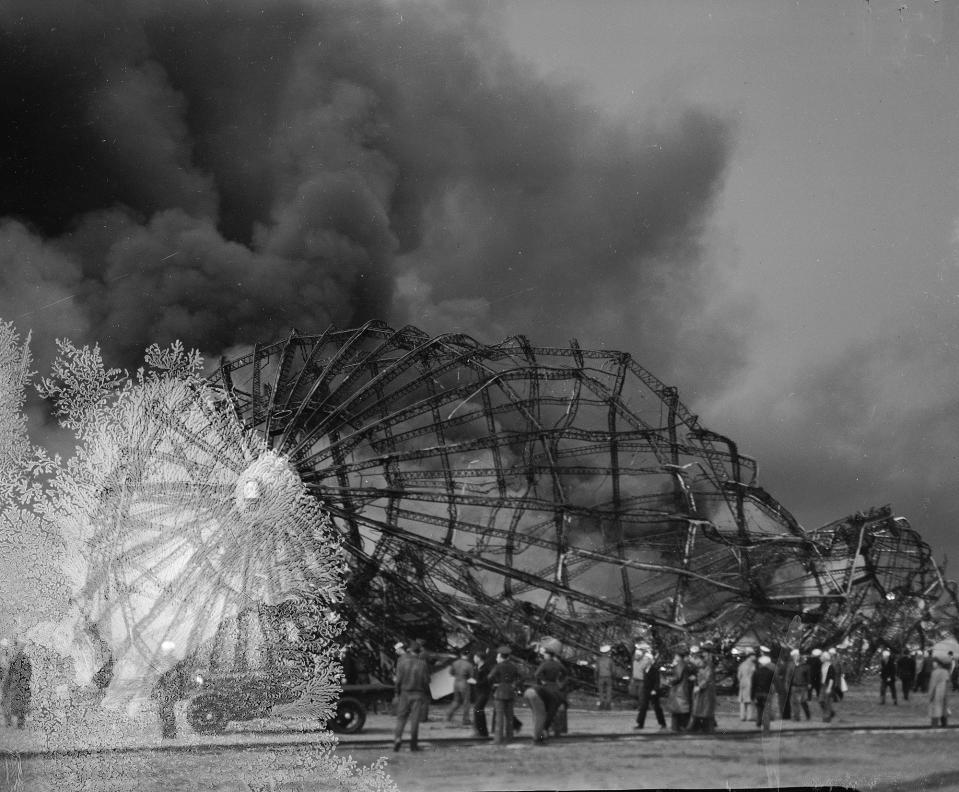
x: 799, y: 686
x: 761, y: 691
x: 604, y: 677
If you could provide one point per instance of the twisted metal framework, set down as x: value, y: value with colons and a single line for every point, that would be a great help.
x: 511, y: 490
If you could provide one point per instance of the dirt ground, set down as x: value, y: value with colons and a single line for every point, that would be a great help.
x: 870, y: 747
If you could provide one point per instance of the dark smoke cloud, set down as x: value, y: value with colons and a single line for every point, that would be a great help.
x: 222, y: 172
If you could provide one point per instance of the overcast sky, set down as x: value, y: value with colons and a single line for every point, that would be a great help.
x: 759, y: 200
x: 835, y: 231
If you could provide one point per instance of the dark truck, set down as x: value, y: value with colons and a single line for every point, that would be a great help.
x: 245, y: 695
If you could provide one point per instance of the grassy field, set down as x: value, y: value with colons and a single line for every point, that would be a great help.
x: 602, y: 752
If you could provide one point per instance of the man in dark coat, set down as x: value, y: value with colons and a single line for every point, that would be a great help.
x: 785, y: 667
x: 906, y: 671
x: 484, y: 662
x: 649, y: 692
x: 503, y: 678
x: 412, y: 694
x: 925, y: 671
x: 16, y: 687
x: 551, y: 675
x: 679, y: 703
x: 887, y: 676
x: 762, y: 689
x: 799, y: 690
x: 815, y: 672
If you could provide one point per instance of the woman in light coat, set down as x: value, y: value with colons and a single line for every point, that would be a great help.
x: 745, y: 676
x: 939, y: 692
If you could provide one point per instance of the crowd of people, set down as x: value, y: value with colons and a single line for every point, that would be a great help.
x: 681, y: 691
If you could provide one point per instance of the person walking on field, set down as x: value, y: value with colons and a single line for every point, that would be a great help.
x: 887, y: 676
x: 551, y: 676
x: 939, y: 691
x: 461, y: 670
x: 503, y: 678
x: 412, y: 693
x: 604, y: 677
x: 744, y: 674
x: 762, y: 689
x: 906, y: 671
x: 649, y: 692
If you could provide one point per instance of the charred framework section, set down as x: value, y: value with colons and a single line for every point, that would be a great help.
x: 514, y: 490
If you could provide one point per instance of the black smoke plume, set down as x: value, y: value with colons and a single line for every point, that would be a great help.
x: 221, y: 172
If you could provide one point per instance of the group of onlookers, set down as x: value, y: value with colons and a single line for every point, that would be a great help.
x: 934, y: 673
x: 783, y: 687
x: 487, y: 675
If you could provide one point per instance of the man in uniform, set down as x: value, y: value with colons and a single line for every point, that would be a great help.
x: 604, y: 677
x: 503, y: 679
x: 412, y: 693
x: 462, y: 671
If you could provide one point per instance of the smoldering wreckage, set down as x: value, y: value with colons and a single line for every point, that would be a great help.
x: 482, y: 495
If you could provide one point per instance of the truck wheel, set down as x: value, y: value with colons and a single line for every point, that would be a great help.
x: 207, y: 717
x: 349, y: 718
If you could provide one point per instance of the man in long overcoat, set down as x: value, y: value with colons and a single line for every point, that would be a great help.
x: 761, y: 691
x: 552, y: 676
x: 15, y: 698
x: 679, y: 703
x: 703, y: 705
x: 939, y: 692
x: 503, y: 678
x: 412, y: 694
x: 906, y: 671
x: 744, y: 675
